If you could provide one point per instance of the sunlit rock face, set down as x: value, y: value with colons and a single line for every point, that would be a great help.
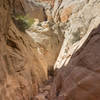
x: 63, y: 9
x: 51, y: 2
x: 80, y: 23
x: 20, y: 70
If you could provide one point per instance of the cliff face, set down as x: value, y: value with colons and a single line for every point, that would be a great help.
x: 51, y: 2
x: 23, y: 65
x: 80, y: 23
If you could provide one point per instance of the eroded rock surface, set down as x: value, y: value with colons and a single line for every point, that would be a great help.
x: 80, y: 79
x: 26, y: 57
x: 48, y: 38
x: 80, y: 23
x: 22, y: 66
x: 19, y: 66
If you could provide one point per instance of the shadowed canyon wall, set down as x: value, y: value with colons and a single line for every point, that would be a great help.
x: 26, y: 57
x: 22, y: 67
x: 18, y: 79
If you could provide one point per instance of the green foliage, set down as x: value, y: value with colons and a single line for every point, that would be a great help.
x: 23, y: 22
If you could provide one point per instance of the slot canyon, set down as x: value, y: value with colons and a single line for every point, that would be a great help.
x: 49, y: 49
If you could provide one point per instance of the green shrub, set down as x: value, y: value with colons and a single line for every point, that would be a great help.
x: 23, y: 22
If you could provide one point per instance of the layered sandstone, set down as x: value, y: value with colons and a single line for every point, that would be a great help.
x: 19, y: 66
x: 80, y: 23
x: 23, y: 65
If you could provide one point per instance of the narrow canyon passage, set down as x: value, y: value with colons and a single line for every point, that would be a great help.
x: 49, y: 49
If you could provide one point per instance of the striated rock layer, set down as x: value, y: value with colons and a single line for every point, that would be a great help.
x: 23, y: 67
x: 26, y: 57
x: 20, y: 69
x: 80, y: 79
x: 79, y: 24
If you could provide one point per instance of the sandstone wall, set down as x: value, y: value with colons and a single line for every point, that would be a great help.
x: 22, y: 68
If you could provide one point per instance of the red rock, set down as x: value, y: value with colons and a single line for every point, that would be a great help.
x: 20, y: 71
x: 80, y: 79
x: 30, y: 9
x: 65, y: 14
